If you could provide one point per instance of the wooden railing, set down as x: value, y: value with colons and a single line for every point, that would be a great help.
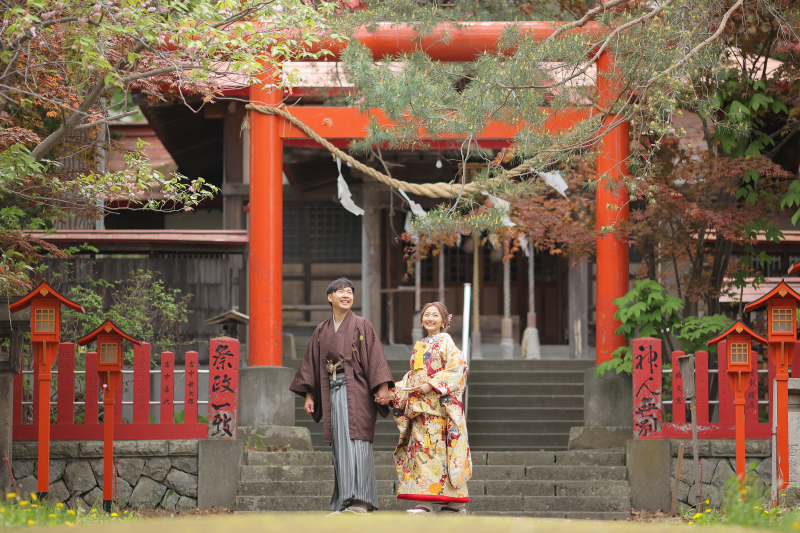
x: 649, y: 405
x: 221, y: 397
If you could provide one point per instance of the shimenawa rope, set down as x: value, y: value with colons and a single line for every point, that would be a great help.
x: 431, y: 190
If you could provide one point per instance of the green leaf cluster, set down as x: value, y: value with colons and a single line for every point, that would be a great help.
x: 648, y: 310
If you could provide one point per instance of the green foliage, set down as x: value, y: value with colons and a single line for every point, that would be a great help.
x: 18, y: 512
x: 748, y: 506
x: 70, y: 67
x: 648, y: 310
x: 141, y: 306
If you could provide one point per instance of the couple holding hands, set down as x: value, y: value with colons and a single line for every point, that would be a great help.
x: 346, y: 382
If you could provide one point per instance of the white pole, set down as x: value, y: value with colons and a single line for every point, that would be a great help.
x: 416, y: 329
x: 465, y: 338
x: 465, y: 322
x: 441, y: 273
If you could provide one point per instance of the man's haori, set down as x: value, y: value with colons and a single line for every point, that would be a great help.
x: 357, y: 346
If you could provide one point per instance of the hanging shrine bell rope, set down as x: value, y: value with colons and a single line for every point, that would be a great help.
x: 431, y: 190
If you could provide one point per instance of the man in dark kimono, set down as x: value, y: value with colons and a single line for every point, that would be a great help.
x: 345, y: 380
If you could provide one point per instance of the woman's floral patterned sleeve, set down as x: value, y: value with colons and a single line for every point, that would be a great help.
x: 450, y: 379
x: 399, y: 396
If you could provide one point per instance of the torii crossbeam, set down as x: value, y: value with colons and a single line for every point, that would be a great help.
x: 268, y: 133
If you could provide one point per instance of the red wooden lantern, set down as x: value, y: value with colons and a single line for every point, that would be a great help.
x: 45, y: 304
x: 739, y: 346
x: 109, y: 349
x: 781, y: 304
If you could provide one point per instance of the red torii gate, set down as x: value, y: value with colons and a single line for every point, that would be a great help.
x: 268, y: 133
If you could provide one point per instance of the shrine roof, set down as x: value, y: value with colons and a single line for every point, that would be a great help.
x: 752, y: 306
x: 106, y: 327
x: 735, y: 327
x: 229, y: 317
x: 49, y: 292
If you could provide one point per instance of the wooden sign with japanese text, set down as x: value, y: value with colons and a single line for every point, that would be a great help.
x: 223, y: 388
x: 647, y: 390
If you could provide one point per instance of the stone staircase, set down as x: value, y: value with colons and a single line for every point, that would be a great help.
x: 513, y: 405
x: 581, y: 485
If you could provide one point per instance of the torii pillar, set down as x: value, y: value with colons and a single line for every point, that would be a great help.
x: 612, y: 254
x: 264, y: 396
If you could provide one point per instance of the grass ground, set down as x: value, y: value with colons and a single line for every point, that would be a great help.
x: 377, y: 523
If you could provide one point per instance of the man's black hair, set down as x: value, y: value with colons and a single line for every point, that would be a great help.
x: 341, y: 283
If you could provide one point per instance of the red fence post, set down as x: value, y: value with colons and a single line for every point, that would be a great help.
x: 190, y: 388
x: 167, y: 388
x: 17, y: 416
x: 751, y: 398
x: 647, y: 389
x: 141, y: 383
x: 66, y: 383
x: 701, y: 386
x: 223, y: 388
x: 678, y: 403
x: 35, y: 387
x: 727, y: 410
x: 796, y: 361
x: 92, y: 389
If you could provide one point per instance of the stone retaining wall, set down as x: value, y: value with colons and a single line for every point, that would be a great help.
x: 719, y: 465
x: 150, y: 473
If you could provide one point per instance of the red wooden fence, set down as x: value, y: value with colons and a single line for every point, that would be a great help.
x: 65, y: 427
x: 648, y: 392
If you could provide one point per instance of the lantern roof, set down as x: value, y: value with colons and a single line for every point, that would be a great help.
x: 229, y: 317
x: 46, y: 291
x: 780, y: 290
x: 106, y: 327
x: 739, y: 327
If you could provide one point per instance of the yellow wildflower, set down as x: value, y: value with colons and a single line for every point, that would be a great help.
x: 34, y: 497
x: 743, y: 491
x: 23, y: 503
x: 696, y: 516
x: 59, y: 505
x: 708, y: 510
x: 11, y: 495
x: 796, y: 526
x: 34, y: 505
x: 114, y: 514
x: 52, y: 516
x: 766, y: 512
x: 70, y: 524
x: 2, y: 509
x: 70, y: 511
x: 31, y: 522
x: 707, y: 502
x: 94, y: 516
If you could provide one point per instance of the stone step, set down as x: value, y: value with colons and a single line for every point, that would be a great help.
x: 474, y: 427
x: 505, y: 401
x: 574, y: 414
x: 525, y: 376
x: 317, y: 458
x: 526, y: 389
x: 476, y: 413
x: 577, y: 473
x: 478, y: 365
x: 589, y: 458
x: 539, y: 399
x: 477, y: 504
x: 385, y: 458
x: 478, y: 441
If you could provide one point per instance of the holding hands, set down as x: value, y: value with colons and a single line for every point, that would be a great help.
x: 383, y: 396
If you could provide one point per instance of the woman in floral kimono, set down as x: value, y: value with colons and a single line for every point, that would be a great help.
x: 432, y: 458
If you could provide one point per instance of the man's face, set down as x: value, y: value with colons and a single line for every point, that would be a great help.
x: 342, y: 299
